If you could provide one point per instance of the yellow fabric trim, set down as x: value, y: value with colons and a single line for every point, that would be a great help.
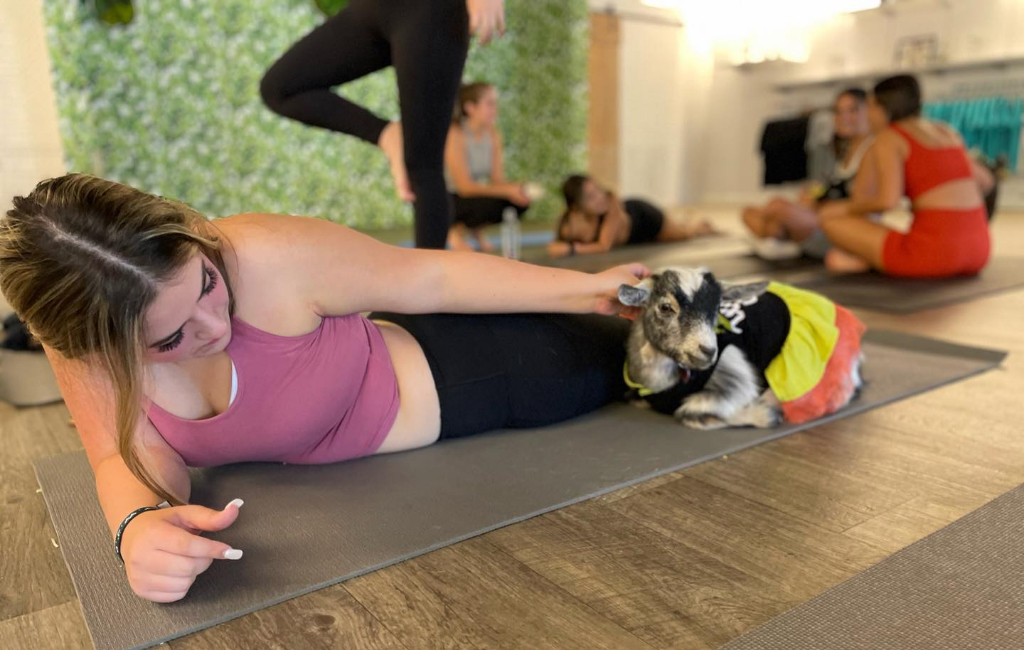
x: 643, y: 392
x: 723, y: 324
x: 812, y: 337
x: 817, y: 189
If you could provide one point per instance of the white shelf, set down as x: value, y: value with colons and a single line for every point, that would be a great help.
x: 952, y: 66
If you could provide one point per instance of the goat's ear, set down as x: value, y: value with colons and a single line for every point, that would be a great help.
x: 635, y: 296
x: 709, y: 277
x: 743, y: 292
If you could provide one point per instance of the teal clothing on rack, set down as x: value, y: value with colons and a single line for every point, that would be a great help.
x: 991, y: 125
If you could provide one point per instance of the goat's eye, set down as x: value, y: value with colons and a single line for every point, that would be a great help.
x: 666, y: 309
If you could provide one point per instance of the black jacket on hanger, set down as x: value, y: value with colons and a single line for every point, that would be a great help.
x: 782, y: 144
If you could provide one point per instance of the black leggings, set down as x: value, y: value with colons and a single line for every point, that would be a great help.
x: 426, y: 41
x: 647, y: 221
x: 518, y: 370
x: 477, y: 211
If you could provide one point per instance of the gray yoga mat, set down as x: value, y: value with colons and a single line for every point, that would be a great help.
x: 306, y: 527
x: 958, y: 588
x: 902, y: 295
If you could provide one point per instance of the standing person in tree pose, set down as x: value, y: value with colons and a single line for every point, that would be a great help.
x: 426, y: 41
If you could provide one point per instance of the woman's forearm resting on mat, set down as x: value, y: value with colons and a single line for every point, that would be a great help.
x: 564, y: 248
x: 120, y: 492
x: 594, y: 247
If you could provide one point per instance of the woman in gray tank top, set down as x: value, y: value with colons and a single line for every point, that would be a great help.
x: 474, y: 168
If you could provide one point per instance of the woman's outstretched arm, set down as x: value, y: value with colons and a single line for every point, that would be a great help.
x: 337, y: 270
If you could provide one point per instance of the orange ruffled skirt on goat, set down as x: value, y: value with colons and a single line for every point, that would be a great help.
x: 814, y: 373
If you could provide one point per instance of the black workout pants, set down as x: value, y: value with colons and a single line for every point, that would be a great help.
x: 426, y: 41
x: 477, y: 211
x: 518, y: 370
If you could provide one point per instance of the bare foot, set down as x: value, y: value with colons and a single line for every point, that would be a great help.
x: 481, y: 240
x: 839, y: 261
x: 390, y: 141
x: 457, y: 238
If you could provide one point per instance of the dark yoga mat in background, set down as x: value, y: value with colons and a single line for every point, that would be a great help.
x: 303, y: 528
x: 726, y: 256
x: 903, y: 295
x: 957, y: 589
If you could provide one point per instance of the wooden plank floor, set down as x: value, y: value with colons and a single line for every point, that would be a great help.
x: 686, y: 561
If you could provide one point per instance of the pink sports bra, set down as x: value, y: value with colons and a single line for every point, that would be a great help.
x: 322, y: 397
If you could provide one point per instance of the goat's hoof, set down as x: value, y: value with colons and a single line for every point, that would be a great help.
x: 768, y: 419
x: 704, y: 421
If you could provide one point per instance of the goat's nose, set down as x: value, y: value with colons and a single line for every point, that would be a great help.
x: 708, y: 351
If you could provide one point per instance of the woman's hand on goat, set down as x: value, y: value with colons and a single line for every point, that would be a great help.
x: 608, y: 300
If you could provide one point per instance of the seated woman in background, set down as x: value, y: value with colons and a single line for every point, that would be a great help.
x: 797, y: 221
x: 474, y: 168
x: 596, y: 221
x: 927, y: 161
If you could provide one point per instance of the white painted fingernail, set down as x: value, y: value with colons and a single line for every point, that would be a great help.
x: 237, y: 503
x: 233, y: 554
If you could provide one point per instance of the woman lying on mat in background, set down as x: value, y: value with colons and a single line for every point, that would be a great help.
x: 797, y: 221
x: 595, y: 221
x: 178, y: 342
x: 475, y: 171
x: 927, y: 161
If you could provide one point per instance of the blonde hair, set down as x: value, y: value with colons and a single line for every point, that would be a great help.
x: 81, y: 260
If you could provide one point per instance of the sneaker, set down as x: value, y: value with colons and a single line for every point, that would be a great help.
x: 776, y: 249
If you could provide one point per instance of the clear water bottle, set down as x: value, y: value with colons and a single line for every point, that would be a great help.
x: 510, y: 234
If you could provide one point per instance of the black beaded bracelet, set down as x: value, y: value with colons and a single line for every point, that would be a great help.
x: 124, y: 522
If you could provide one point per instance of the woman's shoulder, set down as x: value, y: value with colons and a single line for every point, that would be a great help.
x: 891, y: 139
x: 947, y: 132
x: 265, y: 239
x: 266, y: 256
x: 890, y: 135
x: 251, y: 232
x: 456, y: 133
x: 246, y: 223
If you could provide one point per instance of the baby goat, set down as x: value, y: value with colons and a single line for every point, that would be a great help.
x: 740, y: 355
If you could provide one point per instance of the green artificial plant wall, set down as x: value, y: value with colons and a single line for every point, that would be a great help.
x: 170, y: 104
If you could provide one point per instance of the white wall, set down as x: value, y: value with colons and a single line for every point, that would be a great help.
x: 656, y: 73
x: 30, y: 148
x: 651, y: 111
x: 850, y: 45
x: 691, y: 122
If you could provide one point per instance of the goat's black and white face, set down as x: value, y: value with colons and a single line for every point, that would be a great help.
x: 679, y: 314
